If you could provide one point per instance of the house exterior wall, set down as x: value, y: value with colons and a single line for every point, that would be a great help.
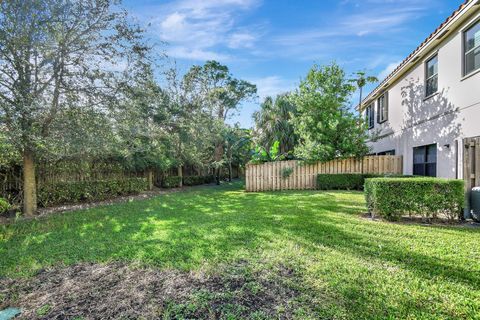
x: 445, y: 118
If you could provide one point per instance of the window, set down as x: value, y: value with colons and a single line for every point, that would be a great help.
x: 472, y: 48
x: 369, y: 113
x: 386, y: 153
x: 431, y: 76
x: 382, y: 104
x: 425, y: 161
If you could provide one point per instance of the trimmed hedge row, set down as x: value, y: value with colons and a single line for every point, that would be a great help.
x: 78, y: 191
x: 392, y: 198
x: 171, y: 182
x: 197, y: 180
x: 346, y: 181
x: 174, y: 181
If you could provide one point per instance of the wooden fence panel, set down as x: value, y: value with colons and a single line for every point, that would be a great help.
x: 269, y: 176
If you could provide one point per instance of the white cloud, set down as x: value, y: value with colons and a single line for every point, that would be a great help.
x: 241, y: 40
x: 272, y: 85
x: 197, y: 54
x: 202, y: 29
x: 388, y: 69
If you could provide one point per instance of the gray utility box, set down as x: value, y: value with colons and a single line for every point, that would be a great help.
x: 475, y: 203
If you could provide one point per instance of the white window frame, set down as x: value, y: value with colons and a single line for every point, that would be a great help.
x: 464, y: 31
x: 380, y: 114
x: 427, y: 94
x: 370, y: 115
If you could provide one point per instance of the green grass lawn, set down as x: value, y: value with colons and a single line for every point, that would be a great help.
x: 342, y: 265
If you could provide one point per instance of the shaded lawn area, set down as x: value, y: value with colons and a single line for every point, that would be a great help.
x: 339, y: 264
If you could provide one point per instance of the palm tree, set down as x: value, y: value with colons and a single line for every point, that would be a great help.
x: 361, y: 80
x: 272, y: 123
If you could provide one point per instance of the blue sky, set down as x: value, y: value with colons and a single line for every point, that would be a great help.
x: 273, y: 43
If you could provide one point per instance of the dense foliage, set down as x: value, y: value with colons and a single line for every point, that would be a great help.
x: 197, y: 180
x: 326, y: 127
x: 393, y: 198
x: 73, y: 192
x: 171, y: 182
x: 4, y: 206
x: 348, y: 181
x: 273, y: 125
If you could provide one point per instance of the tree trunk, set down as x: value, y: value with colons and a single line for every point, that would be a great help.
x: 230, y: 172
x: 360, y: 103
x: 29, y: 184
x: 218, y: 159
x: 180, y: 174
x: 150, y: 179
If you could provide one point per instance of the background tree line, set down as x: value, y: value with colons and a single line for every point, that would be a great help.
x: 79, y: 81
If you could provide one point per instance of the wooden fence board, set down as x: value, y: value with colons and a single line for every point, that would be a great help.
x: 268, y: 176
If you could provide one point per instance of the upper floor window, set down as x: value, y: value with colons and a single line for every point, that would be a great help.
x: 472, y: 48
x: 431, y: 76
x: 382, y: 104
x: 369, y: 116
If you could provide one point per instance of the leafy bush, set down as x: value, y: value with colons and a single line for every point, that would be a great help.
x: 4, y: 206
x: 428, y: 197
x: 74, y: 192
x: 347, y: 181
x: 287, y: 172
x: 193, y: 180
x: 171, y: 182
x: 209, y: 178
x: 350, y: 181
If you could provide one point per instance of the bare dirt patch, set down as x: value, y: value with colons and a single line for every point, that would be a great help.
x: 116, y: 290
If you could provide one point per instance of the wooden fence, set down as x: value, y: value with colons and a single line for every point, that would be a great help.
x: 270, y: 176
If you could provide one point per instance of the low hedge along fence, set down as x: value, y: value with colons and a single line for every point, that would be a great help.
x: 174, y: 181
x: 346, y: 181
x: 78, y: 191
x: 197, y: 180
x: 392, y: 198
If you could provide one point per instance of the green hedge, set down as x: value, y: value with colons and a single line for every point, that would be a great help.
x: 197, y: 180
x: 392, y: 198
x: 171, y: 182
x: 209, y: 178
x: 345, y: 181
x: 78, y: 191
x: 4, y: 206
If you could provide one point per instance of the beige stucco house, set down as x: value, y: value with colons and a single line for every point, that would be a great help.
x: 428, y: 109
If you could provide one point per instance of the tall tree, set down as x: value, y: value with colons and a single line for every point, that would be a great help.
x: 218, y: 91
x: 57, y: 55
x: 325, y: 124
x: 273, y: 123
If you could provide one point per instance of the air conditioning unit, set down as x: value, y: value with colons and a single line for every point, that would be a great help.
x: 475, y: 203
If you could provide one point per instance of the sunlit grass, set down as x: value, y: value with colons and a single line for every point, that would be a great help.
x: 346, y: 266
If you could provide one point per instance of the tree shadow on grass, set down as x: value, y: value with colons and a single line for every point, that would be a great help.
x: 184, y: 231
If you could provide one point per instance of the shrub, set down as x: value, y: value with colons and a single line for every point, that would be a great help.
x: 347, y: 181
x: 428, y: 197
x: 77, y: 191
x: 171, y: 182
x: 209, y: 178
x: 4, y: 206
x: 193, y: 180
x: 287, y: 172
